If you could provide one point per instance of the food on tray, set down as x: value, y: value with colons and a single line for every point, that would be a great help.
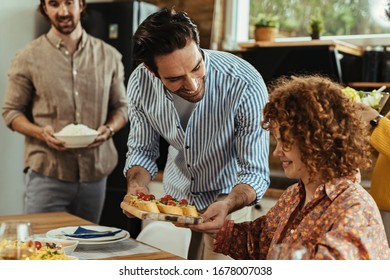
x: 166, y: 204
x: 37, y: 250
x: 145, y: 202
x: 76, y: 130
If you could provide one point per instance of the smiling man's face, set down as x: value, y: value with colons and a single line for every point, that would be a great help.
x: 183, y: 72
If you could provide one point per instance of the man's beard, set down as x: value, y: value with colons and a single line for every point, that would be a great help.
x: 68, y: 29
x: 185, y: 94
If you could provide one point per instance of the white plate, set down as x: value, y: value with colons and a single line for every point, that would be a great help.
x: 60, y: 233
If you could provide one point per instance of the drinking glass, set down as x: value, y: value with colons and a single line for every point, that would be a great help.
x: 16, y: 240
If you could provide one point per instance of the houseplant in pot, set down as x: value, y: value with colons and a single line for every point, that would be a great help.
x: 266, y: 27
x: 316, y: 25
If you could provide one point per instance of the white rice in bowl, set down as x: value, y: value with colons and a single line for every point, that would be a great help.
x: 76, y: 130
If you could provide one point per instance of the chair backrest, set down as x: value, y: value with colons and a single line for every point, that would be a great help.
x: 167, y: 237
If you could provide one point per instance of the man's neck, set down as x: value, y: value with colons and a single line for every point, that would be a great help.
x: 72, y: 40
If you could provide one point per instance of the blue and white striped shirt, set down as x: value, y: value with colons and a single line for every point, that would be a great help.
x: 223, y: 144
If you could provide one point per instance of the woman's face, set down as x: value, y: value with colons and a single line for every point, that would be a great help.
x: 292, y: 165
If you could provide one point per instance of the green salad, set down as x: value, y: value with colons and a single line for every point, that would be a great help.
x: 371, y: 99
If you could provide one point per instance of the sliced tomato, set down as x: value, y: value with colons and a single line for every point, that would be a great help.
x: 171, y: 202
x: 152, y: 197
x: 38, y: 245
x: 183, y: 202
x: 166, y: 197
x: 30, y: 243
x: 140, y: 195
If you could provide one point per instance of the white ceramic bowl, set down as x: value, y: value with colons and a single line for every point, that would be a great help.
x: 77, y: 141
x: 68, y: 246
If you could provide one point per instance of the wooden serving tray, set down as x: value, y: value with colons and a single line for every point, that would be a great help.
x: 143, y: 215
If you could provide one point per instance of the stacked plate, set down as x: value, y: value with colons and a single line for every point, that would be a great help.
x: 90, y: 235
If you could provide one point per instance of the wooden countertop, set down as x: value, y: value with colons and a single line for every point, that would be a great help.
x: 339, y: 45
x: 43, y: 222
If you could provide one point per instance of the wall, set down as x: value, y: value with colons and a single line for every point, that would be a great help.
x: 19, y: 24
x: 200, y: 11
x: 17, y: 28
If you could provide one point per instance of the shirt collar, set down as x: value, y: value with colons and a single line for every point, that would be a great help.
x: 333, y: 188
x: 206, y: 60
x: 56, y: 41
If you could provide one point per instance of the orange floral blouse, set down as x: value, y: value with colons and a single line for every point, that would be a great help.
x: 341, y: 221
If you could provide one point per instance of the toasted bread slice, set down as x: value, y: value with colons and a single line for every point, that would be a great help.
x: 189, y: 210
x: 170, y: 209
x: 148, y: 206
x: 142, y: 202
x: 131, y: 199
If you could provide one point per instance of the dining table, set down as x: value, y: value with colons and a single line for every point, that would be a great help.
x: 44, y: 222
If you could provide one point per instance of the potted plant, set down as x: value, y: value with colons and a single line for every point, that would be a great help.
x: 316, y: 25
x: 266, y: 27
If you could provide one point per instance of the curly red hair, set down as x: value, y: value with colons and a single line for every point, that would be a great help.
x: 312, y: 112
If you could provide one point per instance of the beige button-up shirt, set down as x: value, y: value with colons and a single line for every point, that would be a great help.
x: 52, y: 87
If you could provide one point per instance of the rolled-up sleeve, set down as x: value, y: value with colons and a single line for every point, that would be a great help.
x: 19, y: 89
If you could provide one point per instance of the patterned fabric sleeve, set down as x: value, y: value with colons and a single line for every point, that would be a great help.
x: 356, y: 235
x: 243, y: 241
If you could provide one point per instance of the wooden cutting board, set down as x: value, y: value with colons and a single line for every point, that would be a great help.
x: 143, y: 215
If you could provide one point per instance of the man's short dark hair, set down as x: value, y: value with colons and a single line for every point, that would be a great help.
x: 162, y: 33
x: 41, y: 8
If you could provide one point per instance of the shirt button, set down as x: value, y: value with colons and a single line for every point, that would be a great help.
x: 74, y: 72
x: 188, y: 165
x: 76, y: 93
x: 78, y: 114
x: 187, y: 147
x: 292, y: 231
x: 66, y: 52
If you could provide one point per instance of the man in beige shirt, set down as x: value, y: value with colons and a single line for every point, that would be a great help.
x: 66, y: 76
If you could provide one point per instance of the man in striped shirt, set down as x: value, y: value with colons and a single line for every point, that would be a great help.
x: 208, y: 106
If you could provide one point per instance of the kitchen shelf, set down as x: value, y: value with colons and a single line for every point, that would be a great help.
x: 369, y: 84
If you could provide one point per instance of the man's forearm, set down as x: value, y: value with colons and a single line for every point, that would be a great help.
x: 137, y: 178
x: 22, y: 125
x: 241, y: 195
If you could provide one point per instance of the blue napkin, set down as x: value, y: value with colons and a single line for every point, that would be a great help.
x: 84, y: 233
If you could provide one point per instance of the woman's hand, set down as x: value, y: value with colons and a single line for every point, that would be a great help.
x: 213, y: 218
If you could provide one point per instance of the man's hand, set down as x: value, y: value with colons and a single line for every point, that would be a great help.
x: 138, y: 179
x: 103, y: 136
x: 47, y: 134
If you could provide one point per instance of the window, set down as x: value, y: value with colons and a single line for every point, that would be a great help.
x: 341, y: 17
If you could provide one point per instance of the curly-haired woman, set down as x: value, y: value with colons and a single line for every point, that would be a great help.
x: 321, y: 141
